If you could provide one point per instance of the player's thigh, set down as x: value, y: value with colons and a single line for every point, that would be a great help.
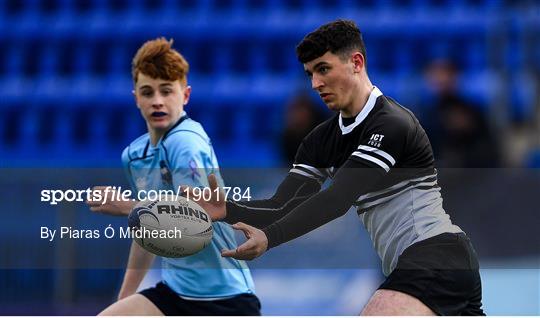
x: 136, y: 305
x: 386, y: 302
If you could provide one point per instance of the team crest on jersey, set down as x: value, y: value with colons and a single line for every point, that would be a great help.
x: 375, y: 140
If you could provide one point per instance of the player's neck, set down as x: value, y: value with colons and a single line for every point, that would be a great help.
x: 359, y: 102
x: 155, y: 136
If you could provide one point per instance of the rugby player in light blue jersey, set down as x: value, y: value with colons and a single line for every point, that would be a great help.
x: 175, y: 151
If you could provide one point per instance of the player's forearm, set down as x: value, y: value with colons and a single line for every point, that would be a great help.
x: 260, y: 213
x: 138, y: 264
x: 324, y: 206
x: 126, y: 207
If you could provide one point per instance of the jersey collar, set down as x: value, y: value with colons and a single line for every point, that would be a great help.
x: 180, y: 120
x: 375, y: 92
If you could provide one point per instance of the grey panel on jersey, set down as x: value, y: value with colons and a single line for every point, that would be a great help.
x: 409, y: 217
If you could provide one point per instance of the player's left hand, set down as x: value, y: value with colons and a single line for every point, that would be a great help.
x: 254, y: 247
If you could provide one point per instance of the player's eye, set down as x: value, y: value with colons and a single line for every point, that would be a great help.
x: 324, y: 69
x: 166, y: 92
x: 147, y: 93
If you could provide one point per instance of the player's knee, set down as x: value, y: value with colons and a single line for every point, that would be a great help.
x: 387, y: 302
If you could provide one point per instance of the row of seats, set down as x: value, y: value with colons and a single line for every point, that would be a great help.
x: 97, y: 134
x: 44, y: 57
x: 48, y: 58
x: 82, y: 6
x: 262, y: 24
x: 88, y: 125
x: 133, y: 21
x: 256, y: 91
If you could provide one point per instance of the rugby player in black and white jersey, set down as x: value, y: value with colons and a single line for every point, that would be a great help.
x: 380, y: 160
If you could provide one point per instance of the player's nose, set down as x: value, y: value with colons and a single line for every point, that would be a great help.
x: 157, y: 101
x: 316, y: 83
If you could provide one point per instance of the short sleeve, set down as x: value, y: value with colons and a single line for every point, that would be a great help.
x: 188, y: 159
x: 383, y: 142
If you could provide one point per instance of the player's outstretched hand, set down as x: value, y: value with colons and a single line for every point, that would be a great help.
x: 254, y: 247
x: 215, y: 206
x: 108, y: 204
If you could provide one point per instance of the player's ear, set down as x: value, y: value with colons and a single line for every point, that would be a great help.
x: 358, y: 62
x: 187, y: 94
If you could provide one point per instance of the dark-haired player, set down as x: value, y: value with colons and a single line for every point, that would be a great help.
x: 380, y: 160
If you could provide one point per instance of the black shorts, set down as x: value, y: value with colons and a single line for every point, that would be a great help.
x: 171, y: 304
x: 443, y: 273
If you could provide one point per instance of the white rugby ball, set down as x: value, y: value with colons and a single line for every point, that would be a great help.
x: 170, y: 228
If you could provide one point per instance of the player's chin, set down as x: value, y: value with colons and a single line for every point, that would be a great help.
x: 160, y: 124
x: 332, y: 106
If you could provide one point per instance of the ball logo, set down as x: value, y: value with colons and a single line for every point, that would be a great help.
x: 134, y: 219
x: 178, y: 209
x: 175, y: 227
x: 144, y: 211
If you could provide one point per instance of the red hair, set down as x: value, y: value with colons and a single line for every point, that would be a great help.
x: 157, y: 59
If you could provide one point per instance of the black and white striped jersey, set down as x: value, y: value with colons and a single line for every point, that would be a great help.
x: 380, y: 161
x: 384, y: 135
x: 401, y: 204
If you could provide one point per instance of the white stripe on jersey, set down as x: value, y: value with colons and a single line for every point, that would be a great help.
x: 379, y: 152
x: 372, y: 159
x: 310, y: 168
x: 305, y: 174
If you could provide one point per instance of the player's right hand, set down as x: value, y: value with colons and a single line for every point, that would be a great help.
x: 109, y: 205
x: 216, y: 206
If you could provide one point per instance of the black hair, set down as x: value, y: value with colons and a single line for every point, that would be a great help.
x: 340, y: 37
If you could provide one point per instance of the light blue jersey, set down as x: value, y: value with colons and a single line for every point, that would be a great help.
x: 184, y: 156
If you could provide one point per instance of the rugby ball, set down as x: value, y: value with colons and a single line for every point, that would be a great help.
x: 170, y: 228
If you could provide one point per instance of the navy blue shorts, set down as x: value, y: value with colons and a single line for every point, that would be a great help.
x: 171, y: 304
